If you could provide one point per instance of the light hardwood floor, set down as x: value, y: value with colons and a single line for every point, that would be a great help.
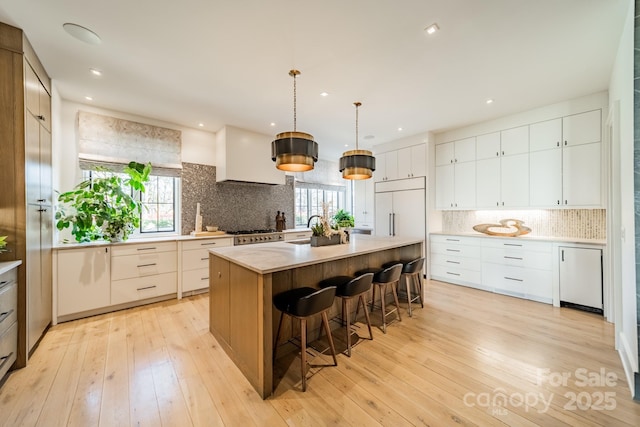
x: 468, y: 358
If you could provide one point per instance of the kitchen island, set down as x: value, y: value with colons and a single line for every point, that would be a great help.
x: 243, y: 280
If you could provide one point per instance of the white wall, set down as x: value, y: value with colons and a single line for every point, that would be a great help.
x: 621, y: 93
x: 197, y: 146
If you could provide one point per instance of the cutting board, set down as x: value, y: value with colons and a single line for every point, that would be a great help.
x: 206, y: 233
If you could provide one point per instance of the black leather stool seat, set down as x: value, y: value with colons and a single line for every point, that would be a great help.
x: 303, y: 303
x: 306, y: 301
x: 348, y: 288
x: 373, y: 270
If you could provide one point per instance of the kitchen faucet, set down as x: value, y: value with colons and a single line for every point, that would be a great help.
x: 310, y: 218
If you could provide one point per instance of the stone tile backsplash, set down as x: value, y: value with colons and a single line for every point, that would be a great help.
x: 578, y: 223
x: 232, y: 206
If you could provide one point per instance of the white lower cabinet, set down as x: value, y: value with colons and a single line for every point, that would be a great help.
x: 508, y: 266
x: 139, y: 288
x: 83, y: 279
x: 195, y: 262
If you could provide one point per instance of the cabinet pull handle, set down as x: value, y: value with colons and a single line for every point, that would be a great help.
x: 513, y: 257
x: 5, y: 315
x: 42, y: 210
x: 562, y: 255
x: 40, y: 117
x: 5, y: 359
x: 203, y: 259
x: 40, y: 200
x: 565, y: 202
x: 558, y: 201
x: 147, y: 287
x: 512, y: 244
x: 558, y: 144
x: 207, y: 244
x: 453, y: 274
x: 503, y: 153
x: 514, y: 279
x: 497, y: 154
x: 204, y: 278
x: 146, y: 249
x: 453, y: 250
x: 453, y: 262
x: 452, y: 240
x: 565, y: 143
x: 146, y: 265
x: 4, y: 282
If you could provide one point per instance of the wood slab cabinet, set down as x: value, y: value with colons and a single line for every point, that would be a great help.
x: 26, y: 215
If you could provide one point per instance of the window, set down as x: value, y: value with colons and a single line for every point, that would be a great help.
x: 159, y: 205
x: 310, y: 197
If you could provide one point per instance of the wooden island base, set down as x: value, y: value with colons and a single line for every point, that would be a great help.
x: 242, y: 317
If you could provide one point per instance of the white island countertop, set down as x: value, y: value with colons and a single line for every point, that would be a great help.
x: 8, y: 265
x: 266, y: 258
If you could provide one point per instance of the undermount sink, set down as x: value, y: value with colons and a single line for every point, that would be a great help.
x: 300, y: 242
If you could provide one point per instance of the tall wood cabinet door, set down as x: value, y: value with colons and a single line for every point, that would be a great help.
x: 545, y: 135
x: 45, y: 108
x: 32, y: 158
x: 84, y: 279
x: 32, y: 87
x: 465, y: 185
x: 581, y: 176
x: 583, y: 128
x: 514, y: 141
x: 46, y: 185
x: 488, y: 183
x: 514, y: 185
x: 545, y: 178
x: 445, y: 187
x: 488, y: 146
x: 219, y: 297
x: 384, y: 211
x: 409, y: 213
x: 38, y: 291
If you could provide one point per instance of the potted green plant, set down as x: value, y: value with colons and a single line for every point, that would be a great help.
x: 322, y: 234
x: 343, y: 219
x: 3, y: 244
x: 103, y: 208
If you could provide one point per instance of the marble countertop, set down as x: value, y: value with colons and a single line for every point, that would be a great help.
x: 271, y: 257
x: 8, y: 265
x: 175, y: 238
x: 530, y: 237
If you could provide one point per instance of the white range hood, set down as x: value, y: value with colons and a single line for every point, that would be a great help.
x: 245, y: 156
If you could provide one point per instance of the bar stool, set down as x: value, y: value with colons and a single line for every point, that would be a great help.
x: 348, y: 288
x: 384, y: 278
x: 302, y: 303
x: 411, y: 270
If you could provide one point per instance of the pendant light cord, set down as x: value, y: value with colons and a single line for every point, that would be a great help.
x: 357, y: 104
x: 294, y: 73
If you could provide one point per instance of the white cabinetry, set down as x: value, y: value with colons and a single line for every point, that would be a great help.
x: 456, y: 259
x: 297, y: 235
x: 581, y: 277
x: 195, y: 262
x: 456, y: 174
x: 386, y: 166
x: 400, y: 208
x: 565, y: 161
x: 412, y: 161
x: 144, y: 270
x: 8, y: 316
x: 83, y: 279
x: 363, y: 203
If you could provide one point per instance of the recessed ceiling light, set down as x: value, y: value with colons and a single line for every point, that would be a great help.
x: 272, y: 124
x: 489, y: 101
x: 432, y: 28
x: 81, y: 33
x: 95, y: 72
x: 88, y: 98
x: 324, y: 94
x: 346, y: 145
x: 201, y: 124
x: 399, y: 129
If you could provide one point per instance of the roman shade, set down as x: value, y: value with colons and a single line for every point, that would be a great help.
x: 113, y: 143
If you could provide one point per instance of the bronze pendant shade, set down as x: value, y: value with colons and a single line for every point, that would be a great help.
x: 357, y: 164
x: 294, y: 151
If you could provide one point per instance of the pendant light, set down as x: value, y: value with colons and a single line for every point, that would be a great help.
x: 357, y: 164
x: 294, y: 151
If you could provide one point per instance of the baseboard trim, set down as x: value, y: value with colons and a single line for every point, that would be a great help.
x: 627, y: 358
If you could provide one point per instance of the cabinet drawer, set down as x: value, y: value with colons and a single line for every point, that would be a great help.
x: 8, y: 305
x: 142, y: 288
x: 518, y: 258
x: 446, y: 260
x: 505, y: 279
x: 8, y: 348
x: 207, y: 243
x: 195, y: 279
x: 139, y: 265
x: 538, y: 286
x: 303, y: 234
x: 455, y: 240
x: 142, y: 248
x: 516, y: 244
x: 455, y: 250
x: 195, y: 259
x: 455, y: 274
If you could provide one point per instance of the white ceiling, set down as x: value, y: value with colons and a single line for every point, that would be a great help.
x: 227, y: 62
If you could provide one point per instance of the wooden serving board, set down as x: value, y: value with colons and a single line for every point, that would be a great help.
x: 206, y: 233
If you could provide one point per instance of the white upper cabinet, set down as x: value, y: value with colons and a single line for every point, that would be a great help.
x: 386, y: 166
x: 514, y: 141
x: 488, y: 183
x: 488, y: 146
x: 460, y: 151
x: 444, y: 154
x: 545, y: 135
x: 582, y: 128
x: 545, y: 178
x: 412, y: 161
x: 581, y: 180
x: 363, y: 205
